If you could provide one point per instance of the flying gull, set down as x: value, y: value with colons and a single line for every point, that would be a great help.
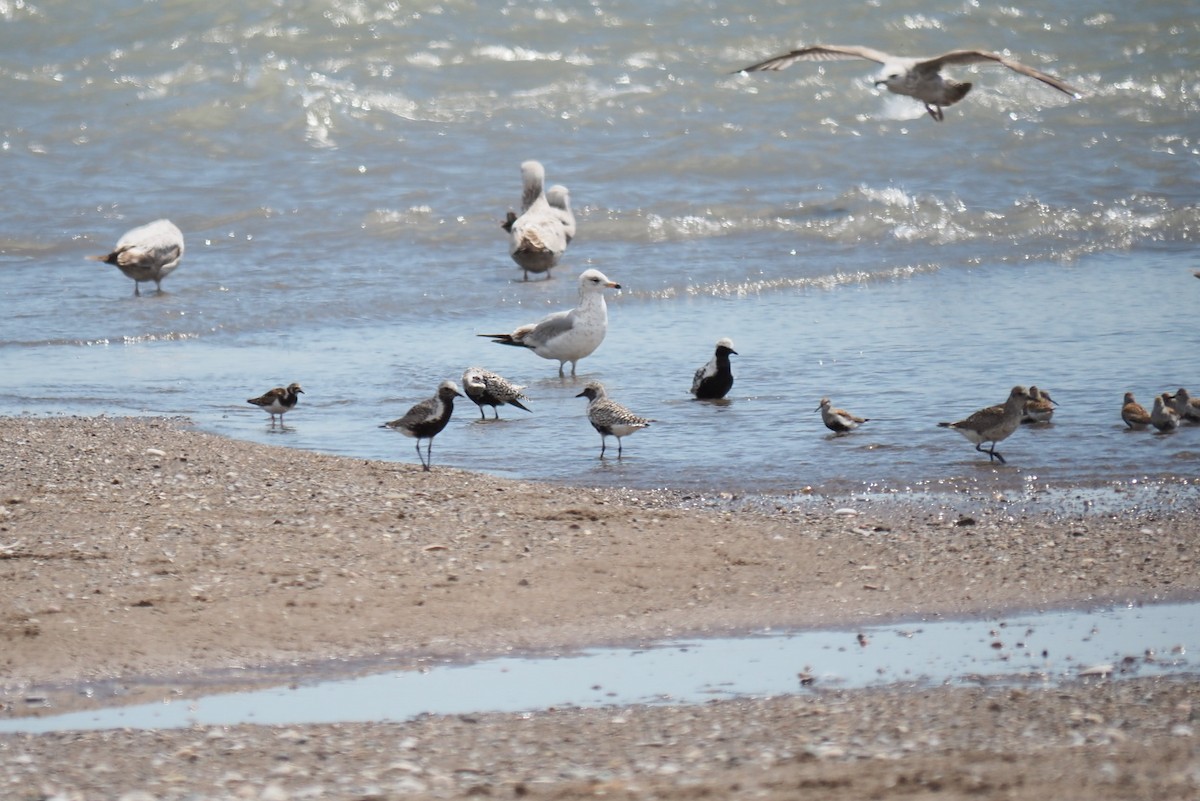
x: 147, y: 253
x: 570, y: 335
x: 915, y: 77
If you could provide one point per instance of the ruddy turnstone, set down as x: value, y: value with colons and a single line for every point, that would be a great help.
x: 993, y: 424
x: 839, y: 421
x: 149, y: 252
x: 278, y: 401
x: 567, y: 336
x: 426, y: 419
x: 920, y: 78
x: 1134, y: 414
x: 486, y: 388
x: 714, y: 380
x: 609, y: 417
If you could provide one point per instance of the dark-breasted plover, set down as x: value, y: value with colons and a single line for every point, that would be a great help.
x: 1134, y: 414
x: 609, y: 417
x: 426, y: 419
x: 920, y: 78
x: 567, y: 336
x: 278, y: 401
x: 1187, y: 407
x: 839, y: 421
x: 149, y: 252
x: 537, y: 237
x: 1163, y: 416
x: 1039, y: 408
x: 486, y: 388
x: 714, y: 380
x: 993, y: 424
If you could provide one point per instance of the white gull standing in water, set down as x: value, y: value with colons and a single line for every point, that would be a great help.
x: 915, y: 77
x: 570, y: 335
x: 559, y: 199
x: 147, y: 253
x: 537, y: 238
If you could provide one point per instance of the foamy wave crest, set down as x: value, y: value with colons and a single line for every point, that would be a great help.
x: 760, y: 286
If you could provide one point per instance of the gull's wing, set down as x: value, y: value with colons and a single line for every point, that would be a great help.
x: 819, y: 53
x: 550, y: 327
x: 984, y: 57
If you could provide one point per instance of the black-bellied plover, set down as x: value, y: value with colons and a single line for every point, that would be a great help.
x: 993, y: 424
x: 1039, y: 408
x: 486, y: 388
x: 1163, y: 416
x: 147, y: 253
x: 714, y: 380
x: 839, y: 421
x: 1187, y: 407
x: 426, y: 419
x: 567, y: 336
x: 609, y: 417
x: 278, y: 401
x: 537, y: 237
x: 1134, y: 414
x: 920, y: 78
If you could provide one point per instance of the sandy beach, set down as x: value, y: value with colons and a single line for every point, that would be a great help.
x: 150, y: 554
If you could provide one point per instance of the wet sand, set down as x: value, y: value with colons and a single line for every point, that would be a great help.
x: 163, y: 560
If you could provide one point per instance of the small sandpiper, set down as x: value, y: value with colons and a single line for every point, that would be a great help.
x: 1134, y: 414
x: 1040, y: 407
x: 993, y: 424
x: 1163, y: 416
x: 486, y: 388
x: 839, y: 421
x: 714, y: 380
x: 1187, y: 407
x: 609, y: 417
x: 278, y: 401
x: 426, y: 419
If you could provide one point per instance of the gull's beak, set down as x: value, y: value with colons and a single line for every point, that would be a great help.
x: 611, y: 285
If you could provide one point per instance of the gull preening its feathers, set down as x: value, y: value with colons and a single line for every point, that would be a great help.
x: 537, y: 237
x: 569, y: 335
x: 149, y: 252
x: 920, y: 78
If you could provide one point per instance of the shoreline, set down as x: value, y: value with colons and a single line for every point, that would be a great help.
x: 142, y: 548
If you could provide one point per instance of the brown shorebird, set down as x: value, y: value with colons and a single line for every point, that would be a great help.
x: 993, y: 424
x: 609, y: 417
x: 915, y: 77
x: 1134, y: 414
x: 1187, y: 407
x: 1163, y: 416
x: 486, y: 388
x: 1040, y: 407
x: 714, y: 380
x: 147, y: 253
x: 839, y: 421
x: 426, y: 419
x: 278, y: 401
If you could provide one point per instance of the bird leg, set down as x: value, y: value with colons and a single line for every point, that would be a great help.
x: 935, y: 111
x: 603, y: 442
x: 618, y: 447
x: 421, y: 456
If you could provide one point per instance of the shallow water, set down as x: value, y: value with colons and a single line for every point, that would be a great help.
x: 1048, y: 647
x: 340, y: 170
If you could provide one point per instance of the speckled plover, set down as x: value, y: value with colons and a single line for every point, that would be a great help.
x: 714, y: 380
x: 426, y: 419
x: 278, y: 401
x: 149, y: 252
x: 993, y: 424
x: 609, y: 417
x: 567, y: 336
x: 920, y: 78
x: 486, y: 388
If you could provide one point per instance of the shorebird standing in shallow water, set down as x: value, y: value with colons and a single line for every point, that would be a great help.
x: 1187, y: 407
x: 278, y: 401
x: 609, y: 417
x: 147, y: 253
x: 567, y: 336
x: 915, y: 77
x: 714, y: 380
x: 1163, y: 416
x: 559, y: 199
x: 486, y: 388
x: 1134, y: 414
x: 426, y: 419
x: 839, y: 421
x: 993, y: 424
x: 1040, y: 407
x: 537, y: 238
